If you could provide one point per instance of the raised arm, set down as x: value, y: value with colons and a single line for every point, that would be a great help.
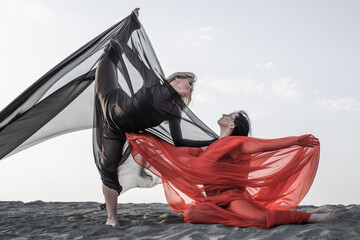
x: 251, y: 147
x: 176, y: 135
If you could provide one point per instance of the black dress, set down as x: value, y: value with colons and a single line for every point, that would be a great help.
x: 132, y: 95
x: 118, y: 112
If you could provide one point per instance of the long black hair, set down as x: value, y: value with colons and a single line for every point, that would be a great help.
x: 242, y: 124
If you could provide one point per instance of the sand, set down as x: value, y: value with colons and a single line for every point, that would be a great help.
x: 85, y: 220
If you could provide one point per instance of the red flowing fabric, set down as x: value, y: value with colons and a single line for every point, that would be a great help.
x: 223, y: 185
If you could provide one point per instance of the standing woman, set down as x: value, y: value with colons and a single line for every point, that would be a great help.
x: 119, y: 111
x: 131, y: 95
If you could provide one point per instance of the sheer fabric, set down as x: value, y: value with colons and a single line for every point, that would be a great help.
x: 62, y: 100
x: 223, y: 185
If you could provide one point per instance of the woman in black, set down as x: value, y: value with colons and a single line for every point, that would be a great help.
x: 118, y: 111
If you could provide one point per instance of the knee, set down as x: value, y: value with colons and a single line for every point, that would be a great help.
x: 247, y: 211
x: 109, y: 164
x: 106, y: 67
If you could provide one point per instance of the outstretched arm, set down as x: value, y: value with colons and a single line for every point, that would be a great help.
x: 251, y: 147
x: 176, y: 135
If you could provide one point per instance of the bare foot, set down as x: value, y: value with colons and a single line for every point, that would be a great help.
x: 112, y: 222
x: 322, y: 217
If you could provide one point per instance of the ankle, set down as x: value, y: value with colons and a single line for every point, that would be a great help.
x: 112, y: 217
x: 112, y: 222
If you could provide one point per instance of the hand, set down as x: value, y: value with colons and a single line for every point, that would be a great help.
x: 308, y: 140
x: 136, y: 11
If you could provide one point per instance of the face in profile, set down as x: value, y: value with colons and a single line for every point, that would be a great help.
x: 184, y: 86
x: 227, y: 120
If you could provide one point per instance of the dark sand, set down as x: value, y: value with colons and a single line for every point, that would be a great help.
x: 85, y: 220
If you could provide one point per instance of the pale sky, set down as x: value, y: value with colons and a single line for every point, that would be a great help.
x: 292, y: 65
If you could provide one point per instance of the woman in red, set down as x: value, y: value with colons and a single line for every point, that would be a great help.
x: 237, y: 180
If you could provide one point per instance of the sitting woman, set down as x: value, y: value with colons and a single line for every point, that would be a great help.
x: 237, y: 180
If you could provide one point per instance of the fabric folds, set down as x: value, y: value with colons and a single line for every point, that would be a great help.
x: 62, y: 101
x: 223, y: 185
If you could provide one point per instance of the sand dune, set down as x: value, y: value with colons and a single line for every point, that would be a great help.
x: 85, y: 220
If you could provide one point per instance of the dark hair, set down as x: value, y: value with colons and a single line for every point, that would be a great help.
x: 242, y: 124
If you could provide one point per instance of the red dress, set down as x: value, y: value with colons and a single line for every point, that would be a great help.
x: 223, y: 185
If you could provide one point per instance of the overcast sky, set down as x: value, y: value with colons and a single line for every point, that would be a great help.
x: 292, y: 65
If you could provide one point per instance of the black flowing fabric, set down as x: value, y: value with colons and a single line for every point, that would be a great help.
x: 62, y: 101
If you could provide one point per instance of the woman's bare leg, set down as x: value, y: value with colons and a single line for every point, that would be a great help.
x: 112, y: 148
x: 321, y: 217
x: 111, y: 142
x: 248, y: 210
x: 111, y: 205
x: 256, y: 215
